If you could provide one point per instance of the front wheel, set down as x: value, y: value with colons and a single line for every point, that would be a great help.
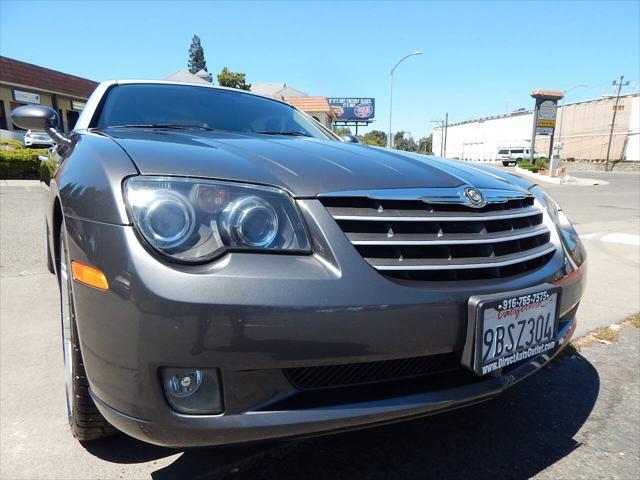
x: 86, y: 422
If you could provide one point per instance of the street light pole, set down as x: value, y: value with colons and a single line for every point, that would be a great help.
x: 390, y: 137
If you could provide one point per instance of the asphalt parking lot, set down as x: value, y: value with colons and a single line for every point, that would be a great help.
x: 577, y: 419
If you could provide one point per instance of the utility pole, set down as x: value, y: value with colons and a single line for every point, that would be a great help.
x: 446, y: 127
x: 441, y: 125
x: 613, y: 121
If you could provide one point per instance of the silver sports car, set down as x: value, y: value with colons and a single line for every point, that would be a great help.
x: 230, y: 270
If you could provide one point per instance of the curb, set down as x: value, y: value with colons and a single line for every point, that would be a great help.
x: 569, y: 180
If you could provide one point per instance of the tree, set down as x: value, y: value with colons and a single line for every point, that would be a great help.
x: 408, y: 144
x: 196, y: 56
x: 227, y: 78
x: 376, y: 138
x: 342, y: 131
x: 426, y: 144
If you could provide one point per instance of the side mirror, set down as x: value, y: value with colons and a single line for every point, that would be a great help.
x: 348, y: 138
x: 39, y: 117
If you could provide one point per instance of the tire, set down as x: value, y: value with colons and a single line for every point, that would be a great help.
x: 86, y: 422
x: 506, y: 164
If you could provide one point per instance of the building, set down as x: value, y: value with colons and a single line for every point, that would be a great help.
x: 582, y: 128
x: 277, y: 90
x: 23, y: 83
x: 317, y: 107
x: 201, y: 77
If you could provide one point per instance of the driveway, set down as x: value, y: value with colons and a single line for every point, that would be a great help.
x: 577, y: 418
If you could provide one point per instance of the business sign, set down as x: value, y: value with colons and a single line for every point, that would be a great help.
x: 26, y: 97
x: 353, y: 109
x: 76, y: 105
x: 546, y: 123
x: 546, y: 111
x: 544, y: 131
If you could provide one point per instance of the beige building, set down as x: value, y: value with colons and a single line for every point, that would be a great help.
x: 582, y: 128
x: 22, y: 83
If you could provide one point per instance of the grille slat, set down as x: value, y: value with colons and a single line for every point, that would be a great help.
x: 425, y: 216
x: 332, y: 376
x: 460, y: 263
x: 413, y: 240
x: 358, y: 238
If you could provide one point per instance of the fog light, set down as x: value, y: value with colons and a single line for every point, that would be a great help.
x: 194, y: 391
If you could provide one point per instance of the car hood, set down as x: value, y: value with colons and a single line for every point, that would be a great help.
x: 303, y: 166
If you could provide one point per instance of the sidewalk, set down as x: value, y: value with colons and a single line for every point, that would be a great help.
x: 19, y: 183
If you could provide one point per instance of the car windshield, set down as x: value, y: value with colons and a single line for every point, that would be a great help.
x: 503, y: 152
x: 185, y: 106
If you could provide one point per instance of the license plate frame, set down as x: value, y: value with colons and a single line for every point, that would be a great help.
x: 476, y: 308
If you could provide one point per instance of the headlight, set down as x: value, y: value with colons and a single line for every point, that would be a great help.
x: 549, y: 203
x: 568, y: 234
x: 197, y: 220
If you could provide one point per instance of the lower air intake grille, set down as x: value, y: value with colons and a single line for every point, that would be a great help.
x: 329, y: 376
x: 416, y: 240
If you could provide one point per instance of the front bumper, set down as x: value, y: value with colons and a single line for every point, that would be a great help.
x: 173, y: 429
x: 254, y: 315
x: 43, y: 142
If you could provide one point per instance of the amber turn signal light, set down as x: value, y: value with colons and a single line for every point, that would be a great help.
x: 89, y: 275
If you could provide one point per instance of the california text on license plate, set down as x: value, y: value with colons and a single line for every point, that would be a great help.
x: 514, y: 327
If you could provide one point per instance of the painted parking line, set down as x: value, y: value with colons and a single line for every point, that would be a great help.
x: 624, y: 238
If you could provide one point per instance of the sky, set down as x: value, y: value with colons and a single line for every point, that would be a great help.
x: 480, y: 58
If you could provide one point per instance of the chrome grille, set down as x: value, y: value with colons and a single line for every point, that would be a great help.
x: 419, y: 240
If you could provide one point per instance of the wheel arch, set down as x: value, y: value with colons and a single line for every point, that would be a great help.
x: 56, y: 226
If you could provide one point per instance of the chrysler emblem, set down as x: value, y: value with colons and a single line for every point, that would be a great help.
x: 474, y: 196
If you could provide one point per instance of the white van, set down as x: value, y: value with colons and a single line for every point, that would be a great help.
x: 513, y: 155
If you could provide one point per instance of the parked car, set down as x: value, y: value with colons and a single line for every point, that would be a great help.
x: 514, y: 155
x: 37, y: 139
x: 230, y: 271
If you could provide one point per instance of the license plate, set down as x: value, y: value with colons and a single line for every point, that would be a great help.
x: 511, y: 327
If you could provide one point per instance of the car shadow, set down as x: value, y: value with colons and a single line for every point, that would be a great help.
x: 525, y: 430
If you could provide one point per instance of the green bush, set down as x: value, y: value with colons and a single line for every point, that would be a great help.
x: 47, y: 169
x: 20, y: 162
x: 542, y: 163
x: 525, y: 165
x: 12, y: 143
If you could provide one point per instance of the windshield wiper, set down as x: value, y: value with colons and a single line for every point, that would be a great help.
x: 175, y: 126
x: 285, y: 132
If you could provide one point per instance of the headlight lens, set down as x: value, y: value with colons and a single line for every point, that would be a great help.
x: 197, y: 220
x: 568, y: 234
x: 548, y: 202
